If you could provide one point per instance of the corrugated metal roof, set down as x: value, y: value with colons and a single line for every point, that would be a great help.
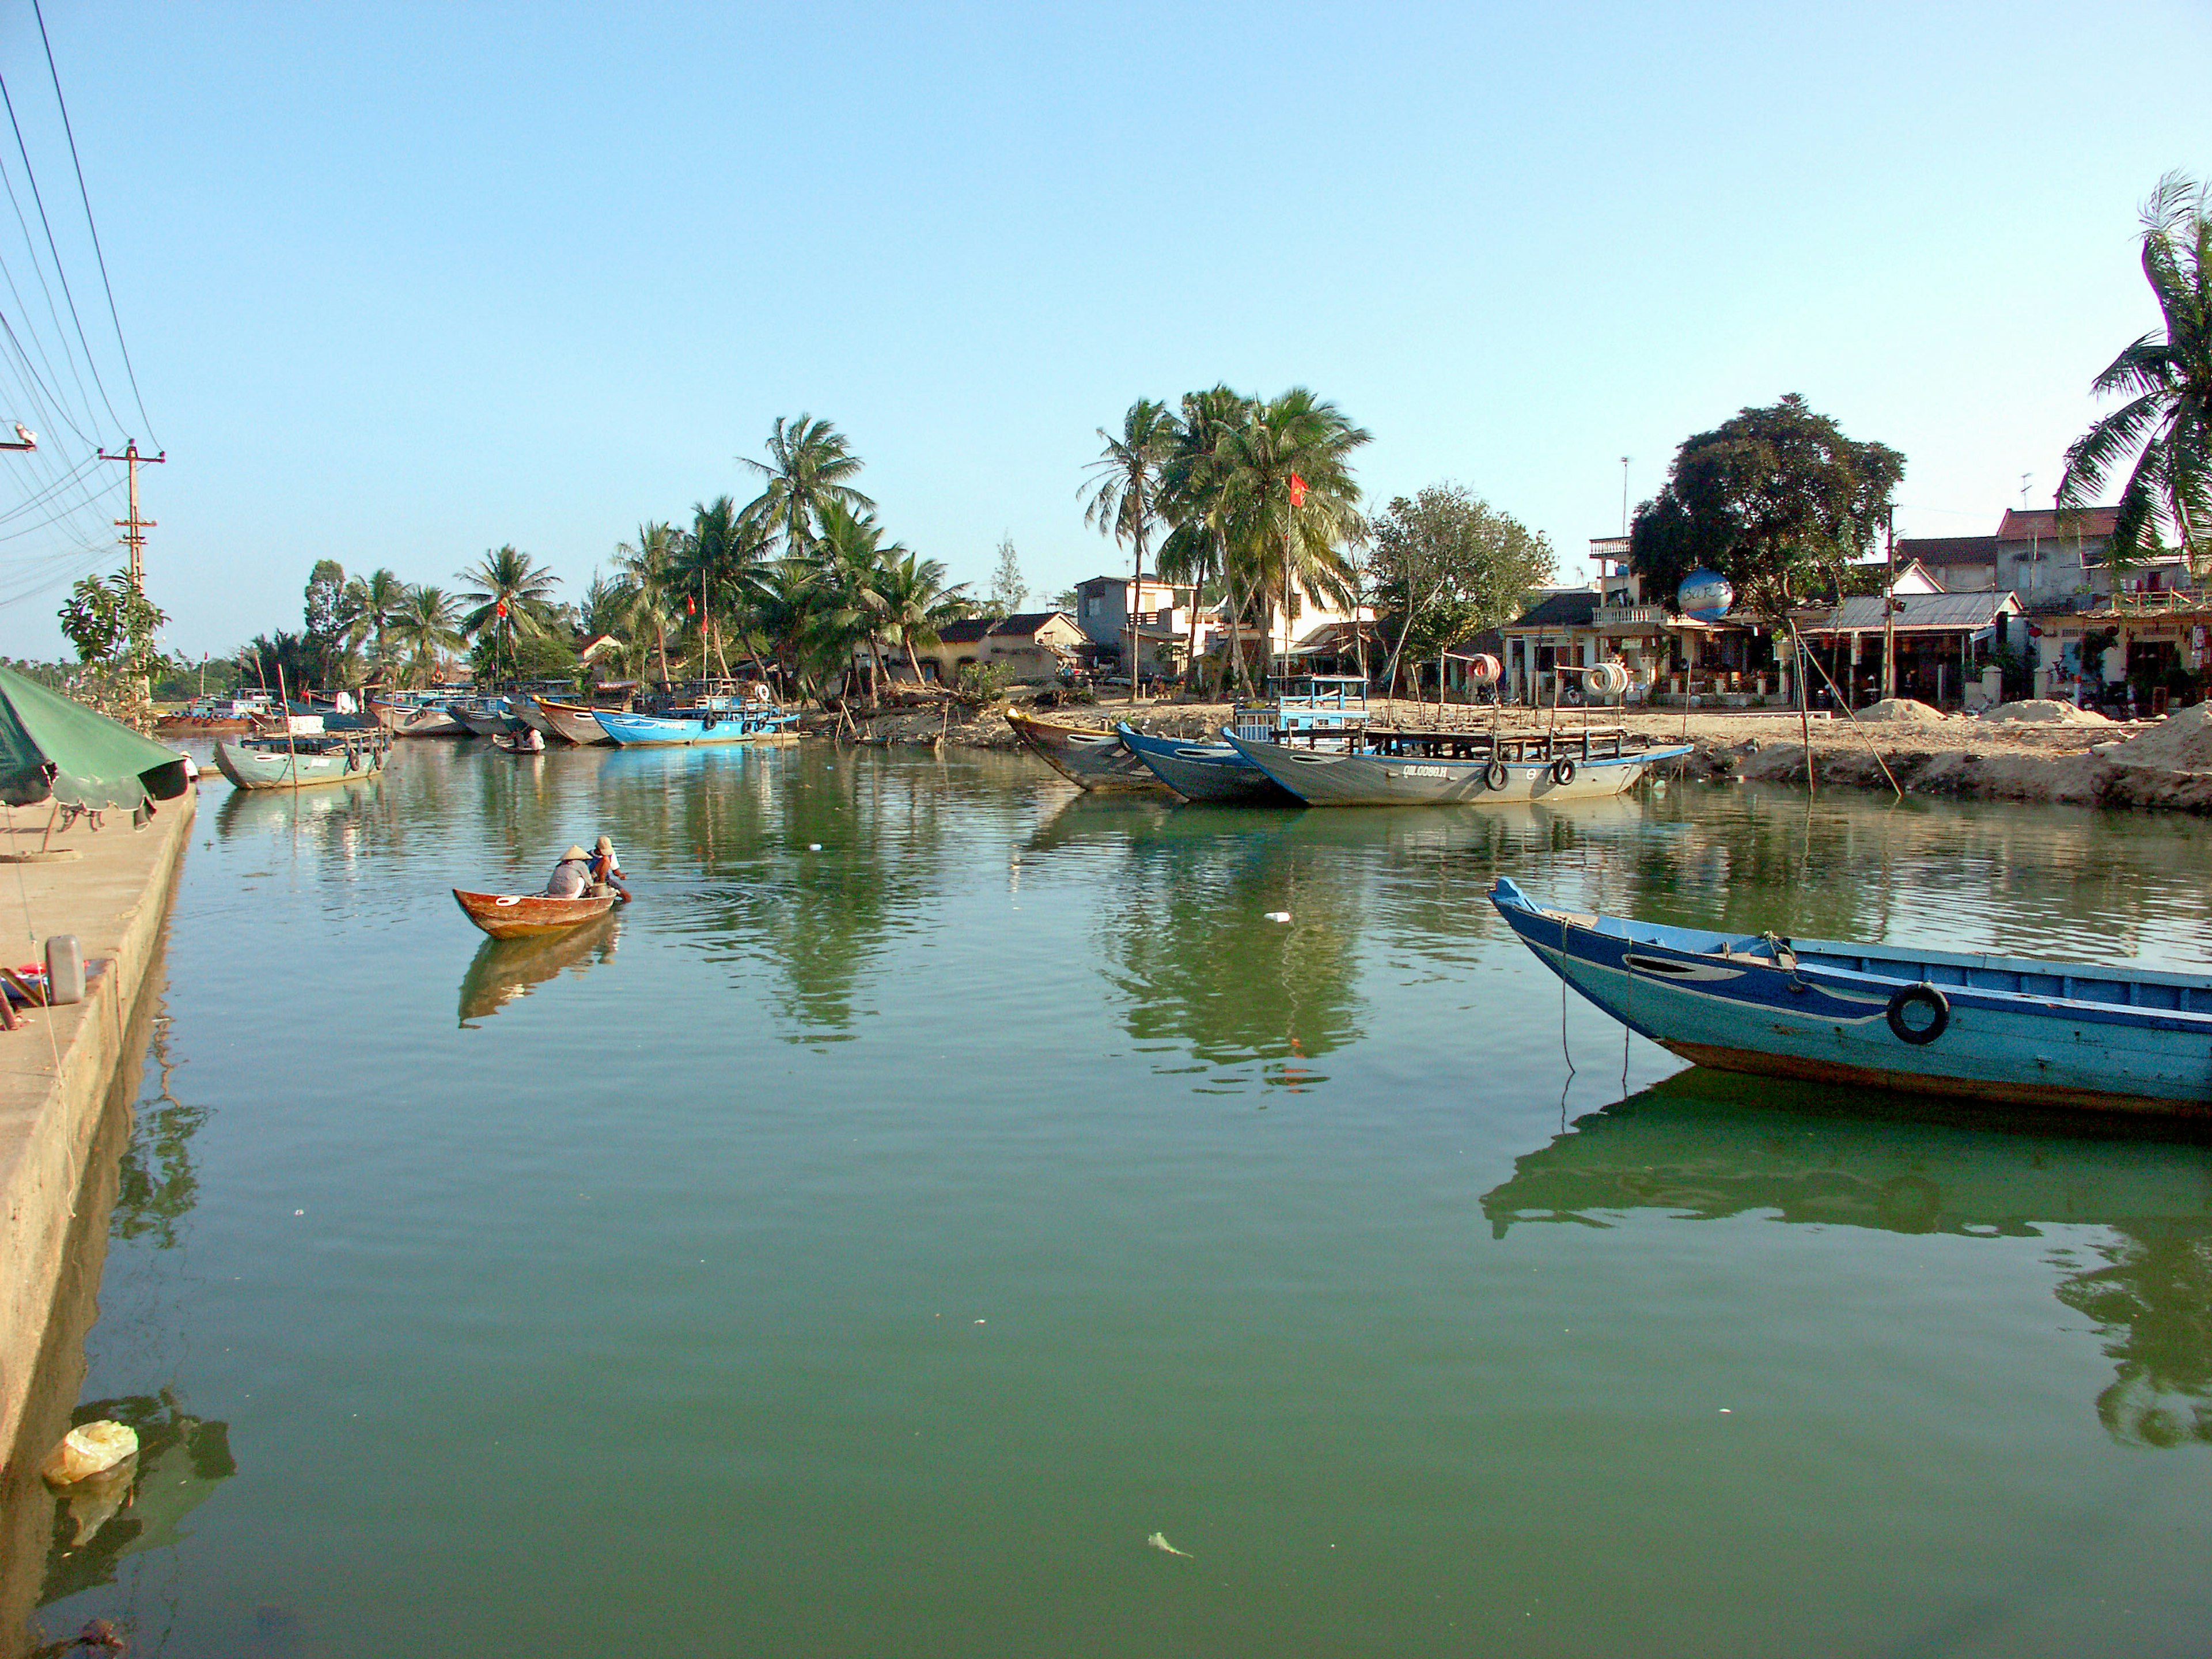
x: 1917, y: 610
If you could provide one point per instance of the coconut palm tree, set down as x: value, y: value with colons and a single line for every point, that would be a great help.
x: 2166, y: 422
x: 511, y: 598
x: 424, y: 622
x: 719, y: 569
x: 365, y: 611
x: 1122, y: 498
x: 915, y: 598
x: 650, y: 564
x: 810, y: 469
x: 1191, y: 501
x: 1289, y: 500
x: 856, y: 573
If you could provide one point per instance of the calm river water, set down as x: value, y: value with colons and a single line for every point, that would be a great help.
x: 937, y: 1184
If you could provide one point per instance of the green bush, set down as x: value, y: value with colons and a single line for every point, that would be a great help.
x: 980, y: 684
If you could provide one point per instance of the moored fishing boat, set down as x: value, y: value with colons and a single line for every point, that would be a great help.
x: 752, y: 723
x: 1995, y: 1029
x: 576, y: 722
x: 1417, y: 766
x: 431, y: 721
x: 300, y: 763
x: 1088, y: 757
x: 519, y: 916
x: 486, y: 717
x: 1204, y: 771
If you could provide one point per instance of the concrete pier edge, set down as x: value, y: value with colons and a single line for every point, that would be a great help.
x: 48, y: 1118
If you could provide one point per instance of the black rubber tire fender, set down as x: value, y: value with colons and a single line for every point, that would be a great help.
x: 1495, y: 776
x: 1926, y: 995
x: 1563, y: 771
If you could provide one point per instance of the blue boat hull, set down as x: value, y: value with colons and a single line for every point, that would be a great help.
x: 640, y: 731
x: 1206, y: 771
x: 2019, y: 1033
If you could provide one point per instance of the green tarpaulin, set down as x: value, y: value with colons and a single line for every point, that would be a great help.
x: 50, y: 746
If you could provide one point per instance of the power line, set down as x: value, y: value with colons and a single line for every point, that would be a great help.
x: 31, y: 172
x: 38, y: 269
x: 86, y: 197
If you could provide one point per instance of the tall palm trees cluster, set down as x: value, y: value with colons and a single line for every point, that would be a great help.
x: 802, y: 577
x: 1254, y: 500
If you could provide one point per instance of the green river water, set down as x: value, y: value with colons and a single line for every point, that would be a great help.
x: 865, y: 1250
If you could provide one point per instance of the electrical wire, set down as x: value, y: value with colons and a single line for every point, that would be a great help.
x: 85, y: 196
x: 38, y: 269
x: 39, y: 201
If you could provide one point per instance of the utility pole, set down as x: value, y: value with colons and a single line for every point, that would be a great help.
x: 134, y: 528
x: 1889, y: 610
x: 1623, y: 495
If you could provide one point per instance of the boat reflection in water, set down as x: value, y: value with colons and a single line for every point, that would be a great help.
x: 1704, y: 1145
x: 504, y: 970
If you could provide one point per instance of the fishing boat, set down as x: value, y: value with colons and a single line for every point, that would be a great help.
x: 1383, y: 766
x: 485, y: 717
x: 519, y: 915
x: 1089, y: 756
x: 301, y: 761
x: 1206, y: 771
x: 572, y: 722
x: 1985, y: 1028
x: 743, y: 723
x: 431, y: 721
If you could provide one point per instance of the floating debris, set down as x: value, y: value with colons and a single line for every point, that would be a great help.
x: 1279, y: 915
x: 1158, y: 1541
x: 87, y: 1449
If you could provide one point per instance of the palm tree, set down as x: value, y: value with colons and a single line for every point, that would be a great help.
x: 365, y: 611
x: 856, y: 571
x: 614, y: 608
x: 719, y: 567
x: 1123, y: 496
x: 425, y: 621
x: 649, y: 563
x: 512, y: 595
x: 2168, y: 417
x: 915, y: 598
x: 810, y: 469
x: 1290, y: 500
x: 1191, y: 501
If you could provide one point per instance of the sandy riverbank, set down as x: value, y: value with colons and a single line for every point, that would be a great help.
x: 2035, y: 753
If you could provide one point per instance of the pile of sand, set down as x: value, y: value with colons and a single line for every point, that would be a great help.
x: 2182, y: 741
x: 2045, y: 711
x: 1901, y: 708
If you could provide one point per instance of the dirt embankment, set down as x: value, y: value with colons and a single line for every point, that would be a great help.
x: 2029, y: 751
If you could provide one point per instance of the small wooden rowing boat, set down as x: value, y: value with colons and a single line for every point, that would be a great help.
x: 519, y: 916
x: 1088, y: 757
x: 1996, y: 1028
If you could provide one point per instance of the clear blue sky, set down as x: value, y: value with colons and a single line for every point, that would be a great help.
x: 404, y: 283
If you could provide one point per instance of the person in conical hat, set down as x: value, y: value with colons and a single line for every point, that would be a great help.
x: 572, y: 877
x: 606, y: 874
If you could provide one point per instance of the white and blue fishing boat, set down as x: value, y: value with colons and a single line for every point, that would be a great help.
x: 737, y: 723
x: 1987, y: 1028
x: 1423, y: 766
x: 1204, y: 771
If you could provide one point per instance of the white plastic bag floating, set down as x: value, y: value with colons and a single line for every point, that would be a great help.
x: 1158, y: 1541
x: 87, y: 1449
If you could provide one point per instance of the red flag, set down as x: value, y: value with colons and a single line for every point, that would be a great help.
x: 1297, y: 490
x: 689, y: 608
x: 500, y: 610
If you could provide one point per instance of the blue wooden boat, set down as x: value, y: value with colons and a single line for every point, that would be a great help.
x: 1204, y: 771
x: 753, y: 723
x: 1996, y: 1028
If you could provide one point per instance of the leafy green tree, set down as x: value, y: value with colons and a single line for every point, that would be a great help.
x: 809, y: 468
x: 423, y: 625
x: 511, y: 597
x: 719, y: 567
x: 109, y: 621
x: 1289, y: 500
x: 1446, y: 563
x: 855, y: 567
x: 915, y: 602
x: 1777, y: 500
x: 295, y: 657
x: 364, y: 613
x: 1123, y: 499
x: 612, y: 609
x: 1008, y: 588
x: 2166, y: 422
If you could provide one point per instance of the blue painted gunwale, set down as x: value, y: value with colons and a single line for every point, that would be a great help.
x: 1204, y: 771
x: 638, y: 730
x: 2115, y: 1038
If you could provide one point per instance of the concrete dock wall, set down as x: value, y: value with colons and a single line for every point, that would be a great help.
x: 56, y: 1073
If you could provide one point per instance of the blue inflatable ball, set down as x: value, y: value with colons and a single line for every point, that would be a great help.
x: 1705, y: 596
